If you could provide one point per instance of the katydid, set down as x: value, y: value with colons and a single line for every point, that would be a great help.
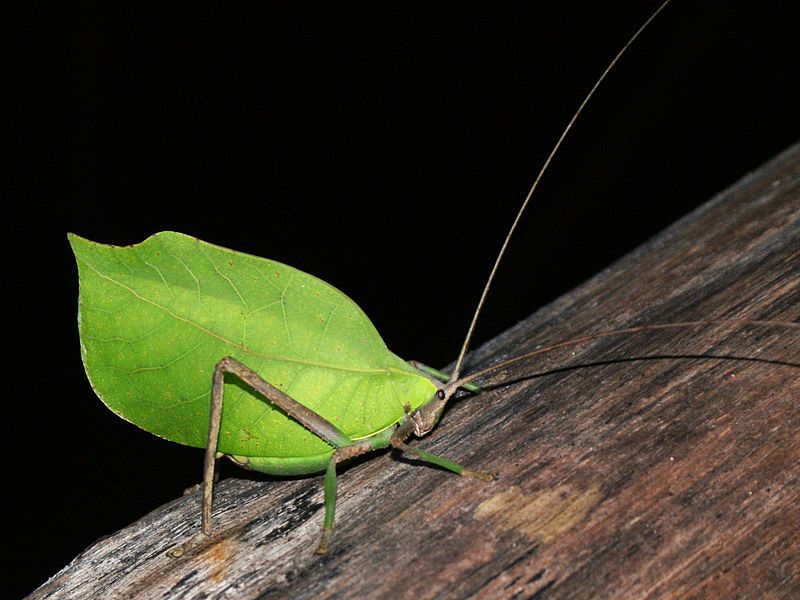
x: 163, y: 322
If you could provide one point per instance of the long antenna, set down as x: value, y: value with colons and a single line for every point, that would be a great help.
x: 623, y: 332
x: 460, y: 361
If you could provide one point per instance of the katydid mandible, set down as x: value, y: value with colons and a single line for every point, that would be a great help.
x: 164, y: 321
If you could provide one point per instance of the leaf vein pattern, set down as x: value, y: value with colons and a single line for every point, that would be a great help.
x: 356, y: 402
x: 262, y: 307
x: 169, y: 363
x: 266, y: 278
x: 106, y: 311
x: 233, y: 344
x: 265, y: 401
x: 202, y: 396
x: 283, y: 310
x: 225, y: 277
x: 331, y: 390
x: 189, y: 270
x: 134, y: 340
x: 161, y: 276
x: 294, y: 379
x: 327, y: 324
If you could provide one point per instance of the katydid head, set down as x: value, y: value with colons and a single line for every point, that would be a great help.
x: 427, y: 416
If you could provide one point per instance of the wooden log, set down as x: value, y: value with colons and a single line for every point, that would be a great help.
x: 632, y: 466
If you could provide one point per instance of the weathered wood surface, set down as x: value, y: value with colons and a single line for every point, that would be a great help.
x: 629, y: 478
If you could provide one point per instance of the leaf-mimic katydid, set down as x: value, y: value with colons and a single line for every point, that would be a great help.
x: 309, y: 381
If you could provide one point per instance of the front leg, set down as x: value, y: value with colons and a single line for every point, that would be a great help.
x: 398, y: 441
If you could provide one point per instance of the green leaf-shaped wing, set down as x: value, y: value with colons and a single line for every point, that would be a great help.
x: 156, y: 317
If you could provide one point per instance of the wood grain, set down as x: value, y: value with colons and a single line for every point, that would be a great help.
x: 628, y: 467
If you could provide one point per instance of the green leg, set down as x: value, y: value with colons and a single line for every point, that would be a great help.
x: 442, y: 376
x: 376, y: 442
x: 330, y: 506
x: 440, y: 461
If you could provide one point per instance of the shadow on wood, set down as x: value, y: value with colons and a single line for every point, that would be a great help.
x: 619, y: 474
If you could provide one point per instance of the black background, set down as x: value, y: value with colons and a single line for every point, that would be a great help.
x: 381, y: 148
